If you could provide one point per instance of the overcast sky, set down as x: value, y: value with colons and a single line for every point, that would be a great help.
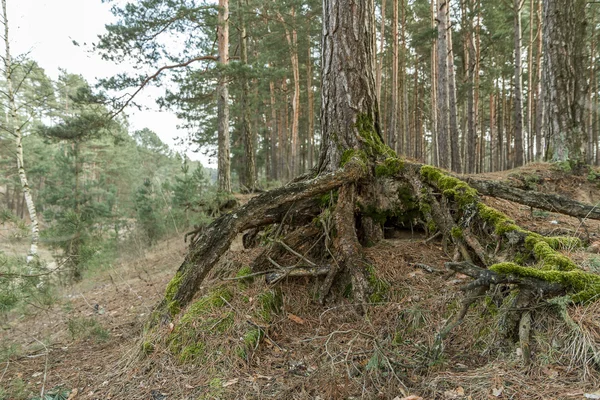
x: 45, y: 29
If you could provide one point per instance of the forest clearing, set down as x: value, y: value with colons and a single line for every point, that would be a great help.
x: 400, y: 208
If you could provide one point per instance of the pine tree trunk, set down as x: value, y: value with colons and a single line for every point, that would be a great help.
x: 310, y: 106
x: 14, y: 129
x: 249, y: 153
x: 539, y: 108
x: 393, y: 131
x: 518, y: 93
x: 348, y: 83
x: 381, y: 53
x: 443, y: 114
x: 564, y: 78
x: 275, y: 145
x: 530, y: 75
x: 589, y: 153
x: 406, y: 132
x: 224, y: 163
x: 477, y: 126
x: 434, y: 79
x: 454, y: 128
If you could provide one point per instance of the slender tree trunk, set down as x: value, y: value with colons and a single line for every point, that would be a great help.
x: 589, y: 156
x: 249, y: 153
x: 493, y: 140
x: 311, y: 106
x: 453, y: 110
x: 501, y: 111
x: 564, y: 78
x: 477, y: 127
x: 393, y: 130
x: 539, y: 110
x: 406, y: 136
x: 224, y: 163
x: 292, y: 40
x: 442, y: 87
x: 14, y: 129
x: 274, y: 130
x: 381, y: 53
x: 518, y: 90
x: 530, y: 75
x: 434, y: 81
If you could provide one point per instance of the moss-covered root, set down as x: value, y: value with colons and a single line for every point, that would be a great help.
x: 581, y: 286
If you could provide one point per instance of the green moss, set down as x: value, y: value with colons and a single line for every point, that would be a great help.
x: 390, y: 167
x: 171, y: 291
x: 173, y: 286
x: 490, y: 306
x: 192, y: 352
x: 252, y: 338
x: 551, y: 259
x: 328, y: 199
x: 356, y: 154
x: 270, y: 303
x: 244, y: 273
x: 584, y: 285
x: 425, y: 208
x: 431, y: 227
x: 174, y: 307
x: 217, y: 298
x: 456, y: 232
x: 380, y: 287
x: 374, y: 145
x: 450, y: 186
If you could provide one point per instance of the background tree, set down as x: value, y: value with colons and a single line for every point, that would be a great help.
x: 564, y: 79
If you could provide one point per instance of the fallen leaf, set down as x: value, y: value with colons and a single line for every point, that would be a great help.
x: 408, y: 398
x: 497, y: 392
x: 36, y: 374
x: 171, y: 327
x: 592, y: 395
x: 295, y: 319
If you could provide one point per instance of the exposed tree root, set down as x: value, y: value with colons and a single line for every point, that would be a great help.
x: 322, y: 236
x: 268, y: 208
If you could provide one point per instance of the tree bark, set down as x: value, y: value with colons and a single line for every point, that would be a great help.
x: 292, y: 40
x: 381, y: 53
x: 453, y: 110
x: 14, y: 129
x: 564, y: 78
x: 311, y: 106
x: 274, y: 134
x: 247, y: 135
x: 518, y: 80
x: 224, y: 163
x: 443, y: 115
x: 348, y: 80
x: 393, y: 131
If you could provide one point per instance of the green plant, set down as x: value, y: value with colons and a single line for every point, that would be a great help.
x: 57, y: 393
x: 87, y: 329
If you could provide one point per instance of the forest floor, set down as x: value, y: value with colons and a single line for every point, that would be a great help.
x: 88, y: 342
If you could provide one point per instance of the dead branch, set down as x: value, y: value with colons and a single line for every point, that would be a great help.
x: 543, y: 201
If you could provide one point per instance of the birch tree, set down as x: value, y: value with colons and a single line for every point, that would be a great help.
x: 14, y: 128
